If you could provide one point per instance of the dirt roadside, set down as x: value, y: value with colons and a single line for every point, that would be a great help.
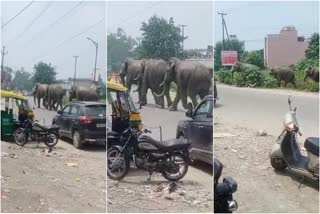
x: 244, y: 154
x: 63, y: 180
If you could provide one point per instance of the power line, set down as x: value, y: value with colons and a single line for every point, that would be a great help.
x: 34, y: 20
x: 74, y: 36
x: 55, y: 22
x: 17, y: 14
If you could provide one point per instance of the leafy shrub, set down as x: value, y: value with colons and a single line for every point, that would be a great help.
x: 250, y: 77
x: 269, y: 81
x: 224, y: 76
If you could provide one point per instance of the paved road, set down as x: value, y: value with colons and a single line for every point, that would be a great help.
x: 265, y: 109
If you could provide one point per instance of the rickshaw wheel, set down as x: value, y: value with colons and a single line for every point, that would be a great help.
x: 20, y: 137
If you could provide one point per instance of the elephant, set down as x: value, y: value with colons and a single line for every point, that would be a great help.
x: 55, y: 95
x: 284, y: 73
x: 132, y: 70
x: 240, y: 66
x: 153, y: 72
x: 81, y: 93
x: 192, y: 79
x: 312, y: 73
x: 40, y: 91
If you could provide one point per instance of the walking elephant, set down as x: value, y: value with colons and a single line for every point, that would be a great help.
x: 154, y: 71
x: 283, y: 73
x: 131, y: 73
x: 81, y: 93
x: 40, y: 91
x: 55, y: 96
x: 312, y: 73
x: 192, y: 79
x: 240, y: 66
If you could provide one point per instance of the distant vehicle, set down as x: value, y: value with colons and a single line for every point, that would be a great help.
x: 83, y: 122
x: 198, y: 130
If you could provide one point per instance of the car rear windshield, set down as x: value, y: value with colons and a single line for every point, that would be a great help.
x: 95, y: 110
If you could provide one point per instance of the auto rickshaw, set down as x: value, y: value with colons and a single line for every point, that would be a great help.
x: 121, y: 109
x: 14, y: 107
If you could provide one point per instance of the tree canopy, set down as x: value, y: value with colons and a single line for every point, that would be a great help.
x: 22, y: 80
x: 236, y: 45
x: 254, y: 57
x: 312, y: 51
x: 44, y: 73
x: 161, y: 39
x: 119, y: 46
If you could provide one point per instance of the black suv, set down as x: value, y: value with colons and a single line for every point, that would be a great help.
x: 199, y: 130
x: 83, y: 122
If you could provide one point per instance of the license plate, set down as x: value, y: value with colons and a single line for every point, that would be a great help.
x: 101, y: 125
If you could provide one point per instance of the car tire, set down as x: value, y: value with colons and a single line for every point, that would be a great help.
x: 76, y: 139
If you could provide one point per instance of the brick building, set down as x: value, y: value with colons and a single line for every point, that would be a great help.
x: 285, y: 48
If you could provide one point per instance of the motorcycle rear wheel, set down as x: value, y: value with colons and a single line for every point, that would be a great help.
x: 52, y: 141
x: 178, y: 161
x: 122, y: 162
x: 20, y: 137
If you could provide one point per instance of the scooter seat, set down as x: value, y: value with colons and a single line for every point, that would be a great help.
x: 312, y: 145
x: 167, y: 145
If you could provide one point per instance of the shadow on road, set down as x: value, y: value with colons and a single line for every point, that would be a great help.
x: 94, y: 147
x: 207, y: 168
x: 299, y: 179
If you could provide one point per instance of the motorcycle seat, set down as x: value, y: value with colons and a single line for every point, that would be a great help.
x: 312, y: 145
x: 112, y: 134
x: 167, y: 145
x: 46, y: 128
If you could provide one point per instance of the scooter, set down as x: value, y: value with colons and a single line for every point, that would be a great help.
x: 287, y: 152
x: 223, y: 198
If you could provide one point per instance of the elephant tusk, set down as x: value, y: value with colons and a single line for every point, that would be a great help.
x: 138, y: 77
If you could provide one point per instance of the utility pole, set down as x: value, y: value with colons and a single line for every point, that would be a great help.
x: 222, y: 23
x: 75, y: 70
x: 95, y: 64
x: 182, y: 30
x: 3, y: 53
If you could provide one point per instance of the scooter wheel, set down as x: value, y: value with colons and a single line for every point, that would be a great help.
x: 278, y: 163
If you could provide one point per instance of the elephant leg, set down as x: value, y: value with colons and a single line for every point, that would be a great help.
x: 169, y: 101
x: 184, y: 99
x: 194, y: 100
x: 39, y: 99
x: 176, y: 100
x: 144, y: 92
x: 285, y: 84
x: 279, y: 83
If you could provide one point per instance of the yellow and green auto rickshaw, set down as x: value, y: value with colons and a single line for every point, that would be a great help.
x: 14, y: 109
x: 121, y: 109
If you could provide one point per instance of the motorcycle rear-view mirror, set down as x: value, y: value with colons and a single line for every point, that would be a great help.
x: 189, y: 113
x: 289, y: 102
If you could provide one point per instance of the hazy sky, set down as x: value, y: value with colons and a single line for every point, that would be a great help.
x: 196, y: 15
x: 252, y: 21
x: 28, y: 44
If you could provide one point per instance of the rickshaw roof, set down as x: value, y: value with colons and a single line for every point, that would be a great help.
x: 115, y: 86
x: 11, y: 94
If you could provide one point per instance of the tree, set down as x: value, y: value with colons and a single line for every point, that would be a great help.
x: 22, y: 80
x: 236, y: 45
x: 6, y: 77
x: 44, y: 73
x: 119, y: 46
x: 161, y: 39
x: 254, y: 57
x: 312, y: 51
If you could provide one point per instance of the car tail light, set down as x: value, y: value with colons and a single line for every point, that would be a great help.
x: 85, y: 120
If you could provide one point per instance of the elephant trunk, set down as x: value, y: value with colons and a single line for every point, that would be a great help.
x: 305, y: 78
x: 164, y: 87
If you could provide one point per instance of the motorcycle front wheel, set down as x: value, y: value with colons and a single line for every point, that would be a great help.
x: 179, y: 168
x: 52, y: 140
x: 20, y: 137
x: 118, y: 164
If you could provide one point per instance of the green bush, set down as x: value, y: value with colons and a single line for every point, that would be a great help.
x: 269, y: 81
x: 224, y: 76
x: 250, y: 77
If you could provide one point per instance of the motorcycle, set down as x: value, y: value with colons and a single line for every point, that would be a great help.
x: 170, y: 157
x: 47, y: 134
x: 223, y: 199
x: 287, y: 152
